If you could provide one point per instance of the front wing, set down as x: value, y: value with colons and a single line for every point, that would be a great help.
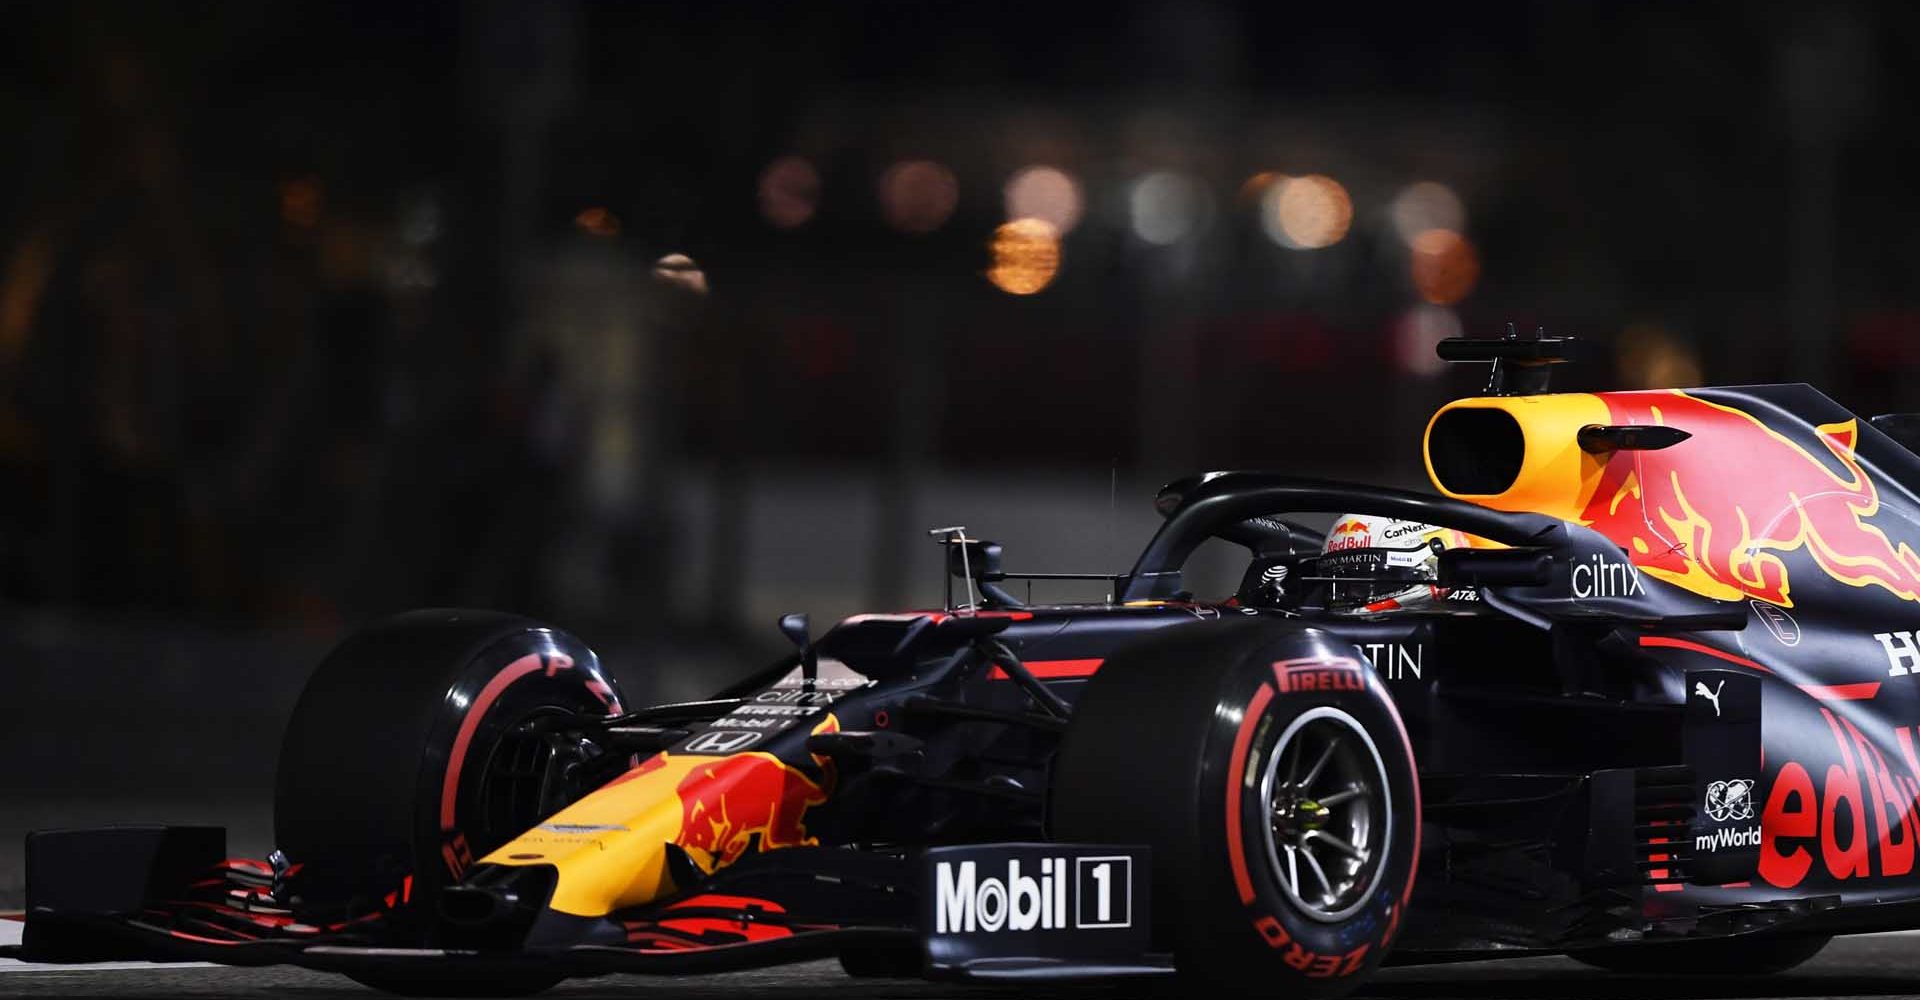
x: 981, y: 911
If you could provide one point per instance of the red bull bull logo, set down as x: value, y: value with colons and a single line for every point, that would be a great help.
x: 1349, y: 534
x: 728, y: 802
x: 1716, y: 513
x: 610, y: 847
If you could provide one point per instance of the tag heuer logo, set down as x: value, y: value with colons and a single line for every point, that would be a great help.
x: 1777, y: 621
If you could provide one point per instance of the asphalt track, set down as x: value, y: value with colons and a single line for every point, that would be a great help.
x: 1875, y: 965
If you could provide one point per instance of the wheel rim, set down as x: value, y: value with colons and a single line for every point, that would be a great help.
x: 1329, y: 813
x: 515, y: 788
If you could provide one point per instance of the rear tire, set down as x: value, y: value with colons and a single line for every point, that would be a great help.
x: 1726, y: 957
x: 1206, y: 742
x: 393, y: 774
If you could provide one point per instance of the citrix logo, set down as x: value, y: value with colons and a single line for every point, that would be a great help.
x: 965, y: 903
x: 1602, y: 577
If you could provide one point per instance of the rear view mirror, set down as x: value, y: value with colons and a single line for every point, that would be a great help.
x: 1496, y: 568
x: 975, y: 557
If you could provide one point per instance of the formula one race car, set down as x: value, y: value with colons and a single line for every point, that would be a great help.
x: 1638, y: 686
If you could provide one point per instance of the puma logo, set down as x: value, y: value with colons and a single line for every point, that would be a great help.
x: 1700, y: 688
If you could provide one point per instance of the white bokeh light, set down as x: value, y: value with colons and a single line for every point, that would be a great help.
x: 1046, y: 193
x: 1427, y: 205
x: 1166, y: 207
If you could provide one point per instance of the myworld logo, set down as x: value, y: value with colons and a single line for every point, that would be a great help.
x: 1726, y: 839
x: 1029, y: 900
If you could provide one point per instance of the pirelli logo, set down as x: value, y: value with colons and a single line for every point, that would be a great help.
x: 1320, y: 673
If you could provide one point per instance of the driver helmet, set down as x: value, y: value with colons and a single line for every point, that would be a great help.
x: 1372, y: 563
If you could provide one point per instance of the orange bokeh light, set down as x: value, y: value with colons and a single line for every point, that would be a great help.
x: 597, y: 221
x: 1446, y: 266
x: 300, y: 201
x: 1651, y: 358
x: 1306, y: 213
x: 1026, y: 256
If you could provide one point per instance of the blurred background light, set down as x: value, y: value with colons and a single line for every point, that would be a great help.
x: 1045, y: 193
x: 1255, y: 187
x: 300, y: 202
x: 789, y: 192
x: 1427, y: 205
x: 1166, y: 207
x: 270, y: 320
x: 679, y: 270
x: 917, y: 196
x: 1306, y: 213
x: 1416, y: 334
x: 420, y: 220
x: 1445, y: 266
x: 597, y: 221
x: 1026, y: 256
x: 1649, y: 357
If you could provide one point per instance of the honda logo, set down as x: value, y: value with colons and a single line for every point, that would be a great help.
x: 722, y: 741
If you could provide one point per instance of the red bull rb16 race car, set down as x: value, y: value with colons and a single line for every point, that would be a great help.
x: 1640, y: 685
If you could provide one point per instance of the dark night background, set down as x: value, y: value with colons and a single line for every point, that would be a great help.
x: 658, y: 320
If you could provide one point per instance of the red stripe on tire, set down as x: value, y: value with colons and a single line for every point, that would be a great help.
x: 1237, y: 851
x: 530, y: 663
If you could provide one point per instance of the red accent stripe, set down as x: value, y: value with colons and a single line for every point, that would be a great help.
x: 1843, y: 692
x: 1053, y: 668
x: 184, y: 936
x: 1236, y: 772
x: 1672, y: 643
x: 450, y: 786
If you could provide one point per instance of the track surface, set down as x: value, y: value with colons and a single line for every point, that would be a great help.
x: 1878, y: 965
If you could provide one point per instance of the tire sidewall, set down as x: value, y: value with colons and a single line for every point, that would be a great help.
x: 1278, y: 683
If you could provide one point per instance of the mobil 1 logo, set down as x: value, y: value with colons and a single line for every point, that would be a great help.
x: 1046, y: 902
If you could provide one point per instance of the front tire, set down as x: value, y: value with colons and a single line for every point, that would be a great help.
x: 405, y: 761
x: 1268, y: 770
